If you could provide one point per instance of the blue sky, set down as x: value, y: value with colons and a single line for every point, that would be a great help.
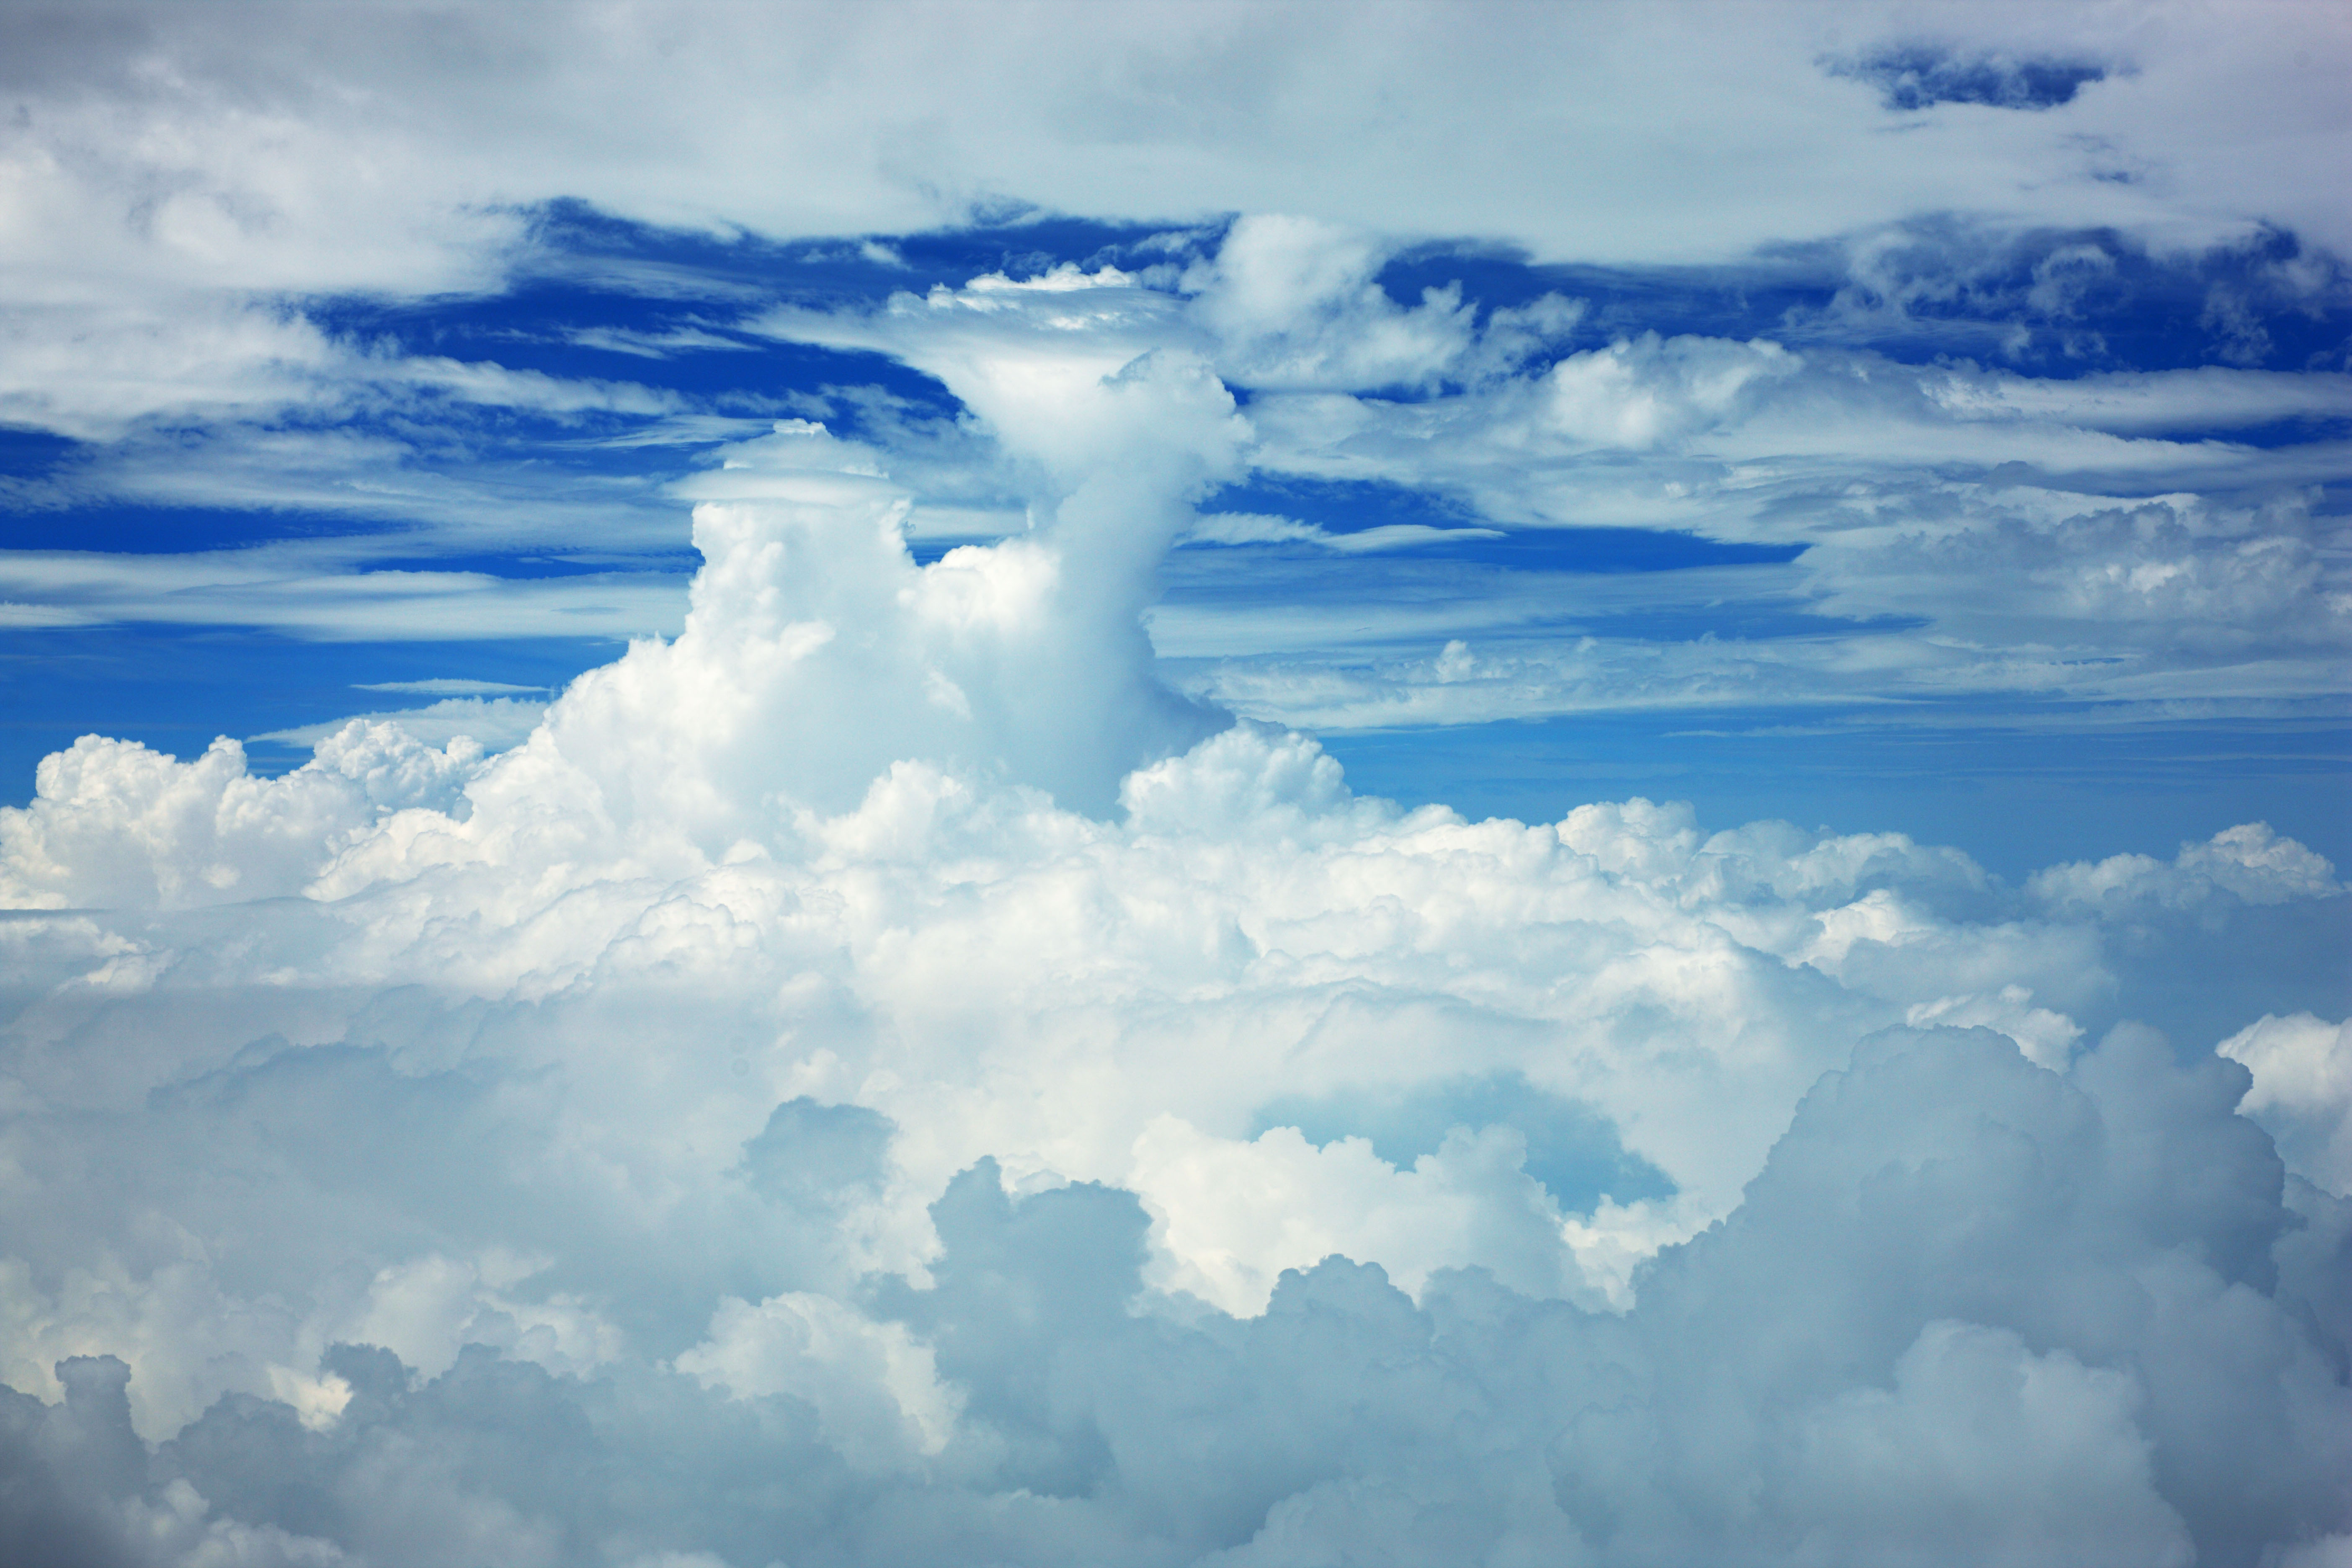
x: 1181, y: 783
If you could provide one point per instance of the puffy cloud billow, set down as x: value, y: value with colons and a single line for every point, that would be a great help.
x: 813, y: 1102
x: 929, y: 1059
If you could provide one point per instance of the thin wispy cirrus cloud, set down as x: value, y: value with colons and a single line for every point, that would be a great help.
x: 1207, y: 784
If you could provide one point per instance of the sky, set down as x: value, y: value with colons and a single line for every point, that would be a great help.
x: 1244, y: 784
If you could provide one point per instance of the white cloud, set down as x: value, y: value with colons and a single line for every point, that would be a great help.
x: 2248, y: 863
x: 492, y: 723
x: 653, y: 345
x: 814, y: 1096
x: 113, y: 822
x: 684, y: 1035
x: 1236, y: 1213
x: 446, y: 685
x: 1577, y: 136
x: 311, y: 591
x: 2142, y: 401
x: 1254, y: 528
x: 1922, y: 585
x: 89, y: 371
x: 2302, y: 1092
x: 487, y: 383
x: 425, y: 1309
x: 2045, y: 1036
x: 1638, y: 393
x: 874, y: 1386
x: 1293, y: 305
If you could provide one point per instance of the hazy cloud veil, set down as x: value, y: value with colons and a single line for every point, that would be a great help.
x: 908, y: 1048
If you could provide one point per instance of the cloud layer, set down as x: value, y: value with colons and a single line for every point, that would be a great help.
x: 912, y: 1050
x: 755, y: 1118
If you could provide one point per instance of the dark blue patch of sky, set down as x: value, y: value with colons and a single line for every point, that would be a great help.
x: 31, y: 454
x: 1916, y: 75
x: 2047, y: 303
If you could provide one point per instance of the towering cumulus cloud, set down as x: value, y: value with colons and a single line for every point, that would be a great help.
x: 917, y: 1053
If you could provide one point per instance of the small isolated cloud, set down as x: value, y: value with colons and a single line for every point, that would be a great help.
x: 17, y: 616
x: 1258, y: 528
x: 1911, y: 77
x: 1295, y: 304
x: 654, y: 345
x: 680, y: 430
x: 446, y: 687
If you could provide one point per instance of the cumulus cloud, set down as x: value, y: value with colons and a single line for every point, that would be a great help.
x: 1941, y: 1209
x: 2302, y: 1092
x: 874, y: 1074
x: 114, y: 823
x: 2247, y: 864
x: 1637, y: 394
x: 874, y: 1386
x: 1295, y: 304
x: 890, y: 1080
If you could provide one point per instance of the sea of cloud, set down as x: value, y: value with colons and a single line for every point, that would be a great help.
x: 880, y: 1078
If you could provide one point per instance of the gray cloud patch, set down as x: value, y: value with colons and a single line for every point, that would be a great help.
x: 2001, y: 1299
